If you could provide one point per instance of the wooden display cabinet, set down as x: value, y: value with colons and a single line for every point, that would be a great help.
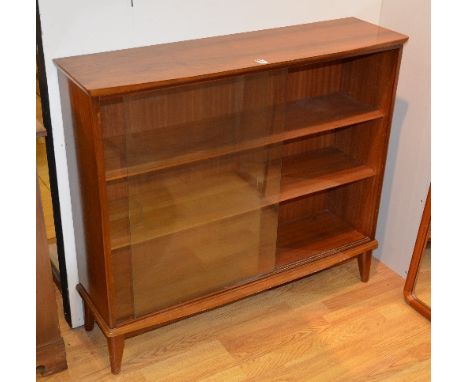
x: 217, y: 168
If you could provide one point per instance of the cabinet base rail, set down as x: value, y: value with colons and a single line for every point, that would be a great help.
x: 116, y: 336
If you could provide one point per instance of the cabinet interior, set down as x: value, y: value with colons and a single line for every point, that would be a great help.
x: 215, y: 183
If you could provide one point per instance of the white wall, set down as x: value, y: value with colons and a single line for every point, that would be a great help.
x: 88, y: 26
x: 408, y: 171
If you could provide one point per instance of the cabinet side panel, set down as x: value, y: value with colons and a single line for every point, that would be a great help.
x: 81, y: 114
x: 314, y: 80
x: 378, y: 86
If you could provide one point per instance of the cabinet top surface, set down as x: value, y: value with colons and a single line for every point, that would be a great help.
x: 136, y: 69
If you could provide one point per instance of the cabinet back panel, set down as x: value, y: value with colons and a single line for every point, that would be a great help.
x: 171, y: 122
x: 369, y: 78
x: 364, y: 143
x: 299, y: 146
x: 356, y: 203
x: 364, y: 78
x: 314, y: 80
x: 112, y: 114
x: 297, y: 208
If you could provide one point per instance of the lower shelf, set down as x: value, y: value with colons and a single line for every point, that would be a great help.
x: 314, y: 237
x: 225, y: 296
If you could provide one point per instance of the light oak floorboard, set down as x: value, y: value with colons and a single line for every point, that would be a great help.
x: 326, y: 327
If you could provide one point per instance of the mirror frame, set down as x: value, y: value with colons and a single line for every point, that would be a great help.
x: 419, y: 248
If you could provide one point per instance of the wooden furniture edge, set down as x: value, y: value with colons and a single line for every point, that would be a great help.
x: 236, y: 293
x: 419, y: 246
x: 70, y: 95
x: 395, y: 41
x: 148, y: 86
x: 40, y: 129
x: 418, y: 305
x: 51, y: 357
x: 387, y: 121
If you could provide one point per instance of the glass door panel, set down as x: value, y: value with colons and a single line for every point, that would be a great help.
x: 202, y: 206
x: 179, y: 125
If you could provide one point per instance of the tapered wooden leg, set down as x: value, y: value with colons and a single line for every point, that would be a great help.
x: 364, y: 262
x: 88, y: 318
x: 116, y: 347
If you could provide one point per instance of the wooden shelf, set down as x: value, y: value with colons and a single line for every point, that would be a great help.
x: 314, y: 237
x: 317, y: 114
x: 174, y: 207
x: 303, y: 117
x: 319, y: 170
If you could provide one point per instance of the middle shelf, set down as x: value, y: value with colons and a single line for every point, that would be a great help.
x: 181, y: 203
x: 319, y: 170
x: 146, y: 149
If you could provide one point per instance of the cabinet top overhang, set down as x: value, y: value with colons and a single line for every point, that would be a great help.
x: 137, y: 69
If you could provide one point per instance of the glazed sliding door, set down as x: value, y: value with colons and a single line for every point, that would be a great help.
x: 202, y: 188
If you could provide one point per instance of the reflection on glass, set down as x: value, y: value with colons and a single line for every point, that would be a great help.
x: 422, y: 288
x: 200, y: 210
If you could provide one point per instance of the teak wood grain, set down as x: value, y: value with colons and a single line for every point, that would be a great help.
x: 149, y: 67
x: 80, y: 113
x: 206, y: 177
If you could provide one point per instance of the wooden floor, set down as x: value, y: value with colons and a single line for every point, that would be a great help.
x: 327, y: 327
